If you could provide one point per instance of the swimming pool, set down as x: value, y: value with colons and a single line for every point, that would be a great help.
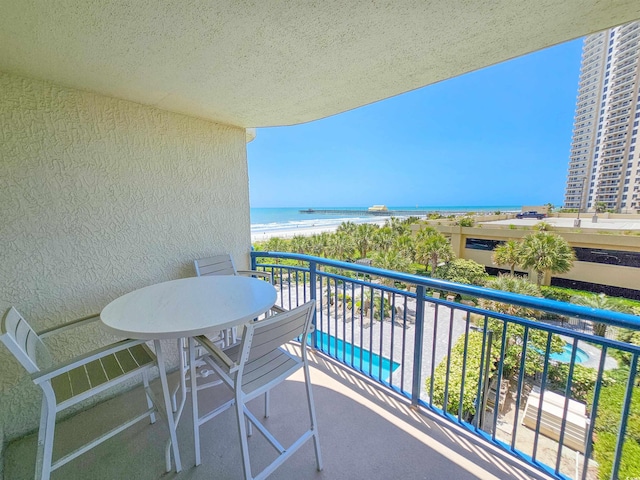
x: 565, y: 356
x: 343, y: 351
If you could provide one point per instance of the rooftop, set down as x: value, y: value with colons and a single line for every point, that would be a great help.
x: 586, y: 222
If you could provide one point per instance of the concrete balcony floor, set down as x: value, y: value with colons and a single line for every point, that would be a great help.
x: 366, y: 432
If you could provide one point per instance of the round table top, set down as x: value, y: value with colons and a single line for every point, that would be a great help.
x: 188, y: 307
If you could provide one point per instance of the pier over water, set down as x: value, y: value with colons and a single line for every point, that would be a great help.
x: 365, y: 211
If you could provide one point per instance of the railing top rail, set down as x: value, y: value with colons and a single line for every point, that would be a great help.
x: 561, y: 308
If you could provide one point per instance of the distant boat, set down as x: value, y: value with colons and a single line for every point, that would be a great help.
x: 308, y: 210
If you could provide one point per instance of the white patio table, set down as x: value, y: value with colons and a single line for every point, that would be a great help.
x: 183, y: 309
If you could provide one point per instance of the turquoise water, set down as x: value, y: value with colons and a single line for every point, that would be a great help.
x: 565, y: 356
x: 265, y: 220
x: 343, y: 350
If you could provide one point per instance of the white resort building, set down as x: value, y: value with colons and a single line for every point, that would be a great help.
x: 604, y: 165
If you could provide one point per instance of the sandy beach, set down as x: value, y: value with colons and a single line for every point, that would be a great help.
x: 304, y: 231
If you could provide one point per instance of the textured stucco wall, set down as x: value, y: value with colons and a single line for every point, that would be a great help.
x: 98, y: 197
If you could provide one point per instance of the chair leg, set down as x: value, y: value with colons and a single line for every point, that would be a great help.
x: 150, y: 404
x: 46, y: 434
x: 41, y: 434
x: 244, y: 445
x: 193, y: 381
x: 266, y: 404
x: 171, y: 424
x: 312, y: 415
x: 183, y: 372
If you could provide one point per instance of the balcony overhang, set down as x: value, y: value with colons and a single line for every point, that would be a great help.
x: 255, y: 64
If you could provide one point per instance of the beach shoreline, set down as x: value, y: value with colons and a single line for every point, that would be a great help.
x: 304, y: 231
x: 288, y: 222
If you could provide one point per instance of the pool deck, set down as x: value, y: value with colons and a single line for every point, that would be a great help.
x: 594, y: 356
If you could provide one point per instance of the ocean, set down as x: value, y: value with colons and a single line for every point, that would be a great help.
x: 273, y: 220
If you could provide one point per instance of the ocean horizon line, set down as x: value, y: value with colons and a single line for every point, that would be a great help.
x: 393, y: 207
x: 287, y: 221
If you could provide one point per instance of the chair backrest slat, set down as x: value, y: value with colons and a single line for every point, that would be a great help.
x: 24, y: 342
x: 268, y: 335
x: 216, y: 265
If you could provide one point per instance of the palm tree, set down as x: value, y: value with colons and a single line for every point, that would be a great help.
x: 347, y: 227
x: 600, y: 302
x: 276, y: 244
x: 546, y: 252
x: 390, y: 260
x: 511, y: 283
x: 363, y: 237
x: 431, y: 248
x: 507, y: 253
x: 410, y: 221
x: 384, y: 239
x: 515, y: 332
x: 397, y: 225
x: 340, y: 246
x: 317, y: 244
x: 406, y: 245
x: 299, y: 244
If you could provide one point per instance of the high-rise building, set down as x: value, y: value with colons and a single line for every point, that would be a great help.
x: 604, y: 164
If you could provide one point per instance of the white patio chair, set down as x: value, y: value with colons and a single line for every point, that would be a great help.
x: 68, y: 383
x: 223, y: 265
x: 252, y: 368
x: 216, y: 265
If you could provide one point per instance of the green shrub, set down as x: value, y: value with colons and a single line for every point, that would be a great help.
x: 582, y: 382
x: 463, y: 271
x: 472, y: 377
x: 607, y: 428
x: 466, y: 222
x: 610, y: 408
x: 603, y: 450
x: 628, y: 336
x: 557, y: 293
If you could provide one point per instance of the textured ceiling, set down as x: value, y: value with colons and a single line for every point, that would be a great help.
x: 263, y: 63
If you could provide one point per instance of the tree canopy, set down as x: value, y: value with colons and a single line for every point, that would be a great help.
x: 546, y: 252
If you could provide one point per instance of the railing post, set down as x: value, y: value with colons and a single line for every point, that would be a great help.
x: 485, y: 382
x: 417, y: 345
x: 254, y: 261
x: 312, y: 286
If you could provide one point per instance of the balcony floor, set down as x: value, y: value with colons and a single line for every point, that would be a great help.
x: 365, y: 432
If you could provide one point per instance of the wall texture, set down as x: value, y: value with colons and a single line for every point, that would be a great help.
x: 98, y: 197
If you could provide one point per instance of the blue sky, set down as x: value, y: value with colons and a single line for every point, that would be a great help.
x: 497, y: 136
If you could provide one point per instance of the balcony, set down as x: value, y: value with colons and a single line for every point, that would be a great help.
x: 367, y: 431
x: 382, y: 369
x: 378, y: 314
x: 102, y: 165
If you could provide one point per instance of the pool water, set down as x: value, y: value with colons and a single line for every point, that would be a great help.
x: 363, y: 360
x: 565, y: 356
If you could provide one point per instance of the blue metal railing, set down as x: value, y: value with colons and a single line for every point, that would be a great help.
x: 385, y: 325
